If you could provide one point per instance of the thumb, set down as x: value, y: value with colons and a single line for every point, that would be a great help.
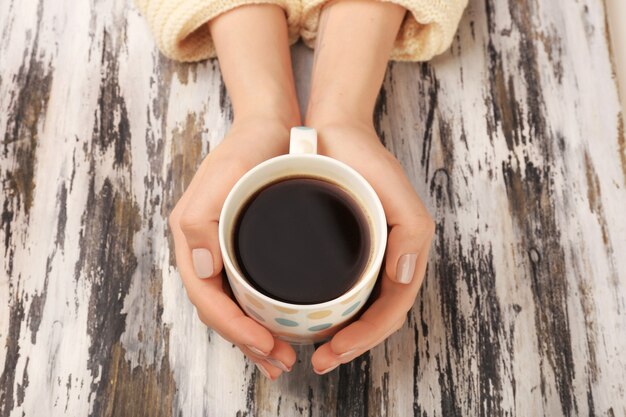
x: 202, y: 238
x: 199, y: 219
x: 403, y: 247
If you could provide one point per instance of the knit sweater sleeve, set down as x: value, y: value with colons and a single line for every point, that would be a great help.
x: 427, y: 30
x: 180, y: 26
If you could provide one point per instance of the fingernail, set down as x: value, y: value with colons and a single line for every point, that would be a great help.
x: 264, y: 371
x: 202, y: 262
x: 327, y: 370
x: 346, y: 354
x: 257, y: 350
x: 278, y: 364
x: 406, y: 268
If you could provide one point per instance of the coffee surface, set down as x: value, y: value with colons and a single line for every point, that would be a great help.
x: 302, y: 240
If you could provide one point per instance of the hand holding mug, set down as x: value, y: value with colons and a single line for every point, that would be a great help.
x: 410, y: 236
x: 194, y: 225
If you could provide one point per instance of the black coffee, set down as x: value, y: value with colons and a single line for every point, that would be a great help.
x: 302, y: 240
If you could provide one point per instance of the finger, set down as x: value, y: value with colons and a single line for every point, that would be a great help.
x: 420, y: 269
x: 404, y: 244
x: 183, y: 202
x: 325, y: 360
x: 268, y: 370
x: 401, y: 203
x: 390, y: 307
x: 411, y: 226
x: 380, y: 319
x: 202, y: 238
x: 199, y: 219
x: 234, y: 326
x: 282, y: 356
x: 215, y: 308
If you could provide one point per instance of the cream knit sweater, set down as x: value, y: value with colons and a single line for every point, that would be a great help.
x: 180, y: 30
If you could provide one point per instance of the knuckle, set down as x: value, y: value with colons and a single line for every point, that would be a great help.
x: 172, y: 219
x: 191, y: 221
x: 429, y: 224
x: 387, y: 162
x: 422, y: 225
x: 393, y: 162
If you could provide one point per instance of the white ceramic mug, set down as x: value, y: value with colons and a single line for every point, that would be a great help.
x: 303, y: 323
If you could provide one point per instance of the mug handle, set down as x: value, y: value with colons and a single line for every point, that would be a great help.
x: 303, y: 140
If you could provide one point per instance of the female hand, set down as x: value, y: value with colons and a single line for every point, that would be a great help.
x: 251, y: 42
x: 411, y: 232
x: 194, y: 224
x: 353, y: 44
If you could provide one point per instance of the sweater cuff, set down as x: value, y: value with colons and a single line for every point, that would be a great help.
x: 180, y: 26
x: 427, y: 30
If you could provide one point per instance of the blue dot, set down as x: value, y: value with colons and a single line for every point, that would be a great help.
x: 320, y: 327
x: 351, y: 309
x: 285, y: 322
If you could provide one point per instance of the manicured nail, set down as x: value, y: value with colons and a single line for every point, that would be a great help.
x: 278, y: 364
x: 406, y: 268
x: 346, y: 354
x: 257, y: 350
x: 327, y: 370
x: 264, y: 371
x: 202, y: 262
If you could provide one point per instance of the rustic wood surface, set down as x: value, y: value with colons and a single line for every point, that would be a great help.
x: 514, y: 139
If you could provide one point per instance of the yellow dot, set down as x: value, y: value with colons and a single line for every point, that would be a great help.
x: 286, y: 310
x: 349, y: 300
x: 255, y: 302
x: 316, y: 315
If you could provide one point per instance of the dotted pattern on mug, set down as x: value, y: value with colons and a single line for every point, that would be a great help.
x: 331, y: 316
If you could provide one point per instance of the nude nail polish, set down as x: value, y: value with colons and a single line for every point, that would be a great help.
x: 278, y: 364
x: 346, y: 354
x: 202, y: 262
x: 264, y: 371
x: 256, y: 350
x: 406, y: 268
x: 327, y: 370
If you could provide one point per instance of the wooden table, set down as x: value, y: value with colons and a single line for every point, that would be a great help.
x: 514, y: 139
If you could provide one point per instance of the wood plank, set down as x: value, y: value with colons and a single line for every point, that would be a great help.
x: 514, y: 139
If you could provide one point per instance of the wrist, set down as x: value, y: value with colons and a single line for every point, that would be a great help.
x: 326, y: 114
x: 261, y: 127
x: 352, y: 48
x: 252, y: 46
x: 342, y: 129
x: 330, y: 110
x: 265, y: 110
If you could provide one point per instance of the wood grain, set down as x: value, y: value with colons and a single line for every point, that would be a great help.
x: 514, y: 139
